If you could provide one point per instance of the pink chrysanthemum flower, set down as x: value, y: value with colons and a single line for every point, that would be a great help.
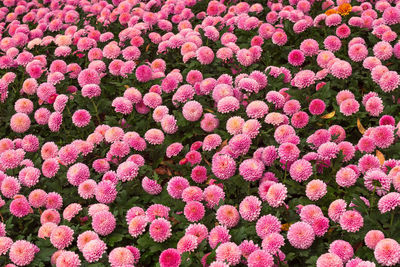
x: 266, y: 225
x: 316, y: 189
x: 272, y: 242
x: 329, y: 260
x: 62, y: 237
x: 336, y: 209
x: 22, y: 252
x: 259, y: 258
x: 121, y: 256
x: 228, y: 216
x: 301, y: 235
x: 219, y: 234
x: 188, y: 243
x: 343, y: 249
x: 376, y: 175
x: 103, y: 222
x: 229, y: 252
x: 351, y: 221
x: 94, y: 250
x: 250, y: 208
x: 389, y: 202
x: 300, y: 170
x: 170, y: 258
x: 160, y: 230
x: 372, y: 238
x: 387, y: 252
x: 276, y: 195
x: 194, y: 211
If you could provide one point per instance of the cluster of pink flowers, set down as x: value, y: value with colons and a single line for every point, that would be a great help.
x: 160, y: 128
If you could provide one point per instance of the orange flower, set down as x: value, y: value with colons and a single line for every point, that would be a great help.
x: 344, y: 9
x: 330, y: 12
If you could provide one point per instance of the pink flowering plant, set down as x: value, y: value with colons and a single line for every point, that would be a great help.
x: 199, y: 133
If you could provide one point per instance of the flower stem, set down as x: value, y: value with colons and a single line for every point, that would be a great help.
x: 96, y: 110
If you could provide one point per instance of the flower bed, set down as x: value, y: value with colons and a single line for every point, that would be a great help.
x: 199, y: 133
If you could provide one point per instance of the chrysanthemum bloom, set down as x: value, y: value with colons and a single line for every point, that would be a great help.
x: 81, y: 118
x: 192, y: 193
x: 343, y: 249
x: 310, y: 212
x: 383, y: 50
x: 20, y: 122
x: 176, y: 185
x: 303, y: 79
x: 122, y: 105
x: 71, y: 211
x: 94, y: 250
x: 87, y: 188
x: 341, y: 69
x: 373, y: 175
x: 61, y: 237
x: 103, y: 222
x: 10, y: 186
x: 229, y: 252
x: 250, y: 208
x: 151, y: 186
x: 223, y: 166
x: 358, y: 52
x: 299, y: 119
x: 205, y: 55
x: 67, y: 258
x: 137, y: 225
x: 328, y: 150
x: 29, y: 176
x: 317, y: 107
x: 170, y: 258
x: 37, y: 198
x: 329, y: 260
x: 251, y: 169
x: 50, y: 215
x: 194, y: 211
x: 301, y: 235
x: 192, y: 111
x: 22, y: 252
x: 288, y: 152
x: 199, y: 230
x: 316, y: 189
x: 174, y: 149
x: 351, y: 221
x: 85, y: 238
x: 336, y: 209
x: 143, y: 73
x: 296, y: 57
x: 260, y: 258
x: 154, y: 136
x: 276, y: 195
x: 300, y: 170
x: 266, y: 225
x: 372, y: 238
x: 54, y: 201
x: 20, y: 207
x: 105, y: 192
x: 389, y: 202
x: 160, y: 230
x: 78, y: 173
x: 5, y: 244
x: 188, y: 243
x: 121, y: 256
x: 387, y: 252
x: 383, y: 136
x: 247, y: 247
x: 127, y: 171
x: 212, y: 195
x: 272, y: 242
x: 389, y: 81
x: 228, y: 104
x: 228, y: 216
